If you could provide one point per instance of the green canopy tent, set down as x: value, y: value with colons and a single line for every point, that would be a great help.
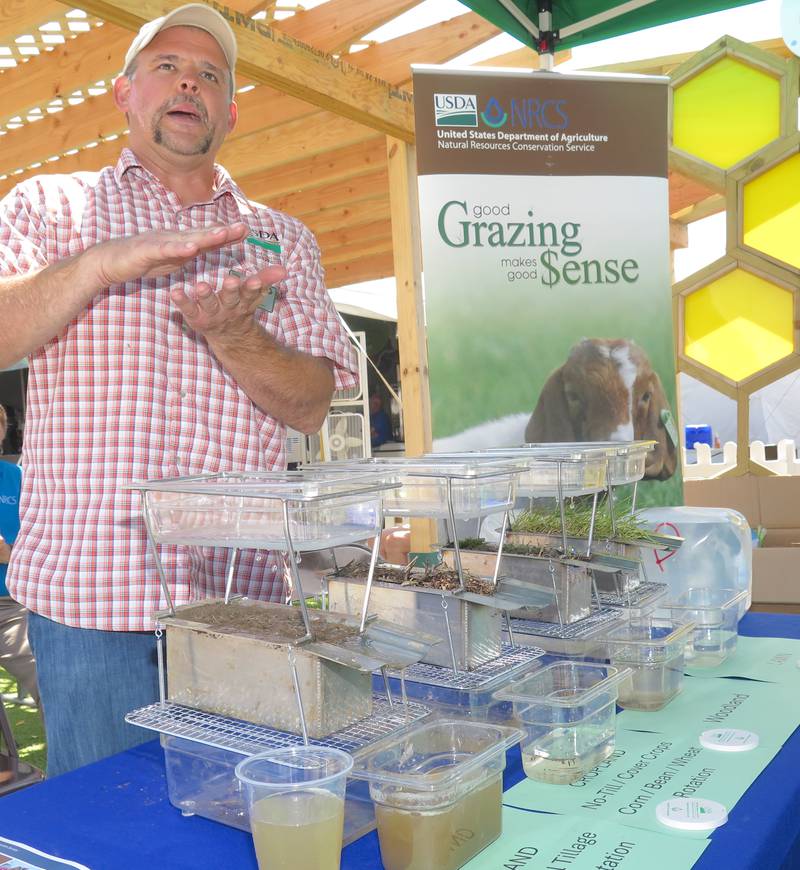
x: 547, y: 25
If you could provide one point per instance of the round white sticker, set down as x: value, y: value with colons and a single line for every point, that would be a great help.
x: 691, y: 814
x: 729, y: 740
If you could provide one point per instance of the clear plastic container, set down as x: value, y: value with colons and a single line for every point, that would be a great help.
x: 568, y: 711
x: 715, y: 614
x: 295, y: 797
x: 478, y: 485
x: 654, y: 649
x: 201, y: 781
x: 717, y: 550
x: 626, y: 459
x: 437, y: 790
x: 548, y: 470
x: 628, y: 464
x: 201, y: 752
x: 246, y: 509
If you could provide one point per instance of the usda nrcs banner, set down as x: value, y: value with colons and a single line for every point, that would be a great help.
x: 545, y: 231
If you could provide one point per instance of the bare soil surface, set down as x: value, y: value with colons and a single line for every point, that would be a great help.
x: 275, y: 624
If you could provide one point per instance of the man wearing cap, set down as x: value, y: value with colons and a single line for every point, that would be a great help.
x: 142, y: 296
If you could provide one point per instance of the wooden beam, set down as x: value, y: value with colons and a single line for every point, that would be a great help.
x: 335, y: 25
x: 286, y: 143
x: 309, y: 202
x: 338, y: 217
x: 87, y: 160
x: 78, y: 125
x: 678, y: 235
x: 270, y: 57
x: 329, y: 167
x: 713, y: 204
x: 98, y: 54
x: 435, y: 44
x: 685, y: 191
x: 354, y: 253
x: 410, y: 316
x: 412, y: 341
x: 361, y: 269
x: 92, y: 120
x: 98, y: 117
x: 88, y: 58
x: 348, y: 236
x: 18, y: 18
x: 666, y: 63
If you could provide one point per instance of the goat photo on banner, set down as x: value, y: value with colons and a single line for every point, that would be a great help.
x: 545, y: 231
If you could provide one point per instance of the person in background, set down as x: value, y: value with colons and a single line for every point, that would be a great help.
x: 380, y: 426
x: 165, y: 338
x: 15, y: 652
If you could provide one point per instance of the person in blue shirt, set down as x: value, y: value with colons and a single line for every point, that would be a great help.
x: 380, y: 426
x: 15, y: 653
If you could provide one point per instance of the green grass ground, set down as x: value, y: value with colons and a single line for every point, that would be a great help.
x: 26, y: 725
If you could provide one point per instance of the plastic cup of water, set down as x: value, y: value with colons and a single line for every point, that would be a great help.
x: 296, y: 801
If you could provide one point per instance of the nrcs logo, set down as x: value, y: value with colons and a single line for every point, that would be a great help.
x: 456, y: 110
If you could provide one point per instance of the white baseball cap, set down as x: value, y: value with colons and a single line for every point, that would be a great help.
x: 190, y: 15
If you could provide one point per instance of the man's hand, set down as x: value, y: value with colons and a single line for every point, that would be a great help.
x: 5, y: 552
x: 226, y: 317
x: 158, y: 252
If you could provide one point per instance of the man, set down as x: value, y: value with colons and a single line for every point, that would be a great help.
x: 135, y: 295
x: 15, y: 652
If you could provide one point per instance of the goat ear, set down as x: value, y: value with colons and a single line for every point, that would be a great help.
x: 666, y: 450
x: 550, y: 420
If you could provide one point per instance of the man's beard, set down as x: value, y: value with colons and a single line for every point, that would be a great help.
x: 161, y: 137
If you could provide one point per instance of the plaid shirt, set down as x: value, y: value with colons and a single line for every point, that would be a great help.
x: 127, y: 391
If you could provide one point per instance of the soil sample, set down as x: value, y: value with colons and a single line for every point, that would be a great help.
x: 275, y: 624
x: 436, y: 577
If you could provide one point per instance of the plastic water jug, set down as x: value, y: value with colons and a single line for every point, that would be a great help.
x: 717, y: 550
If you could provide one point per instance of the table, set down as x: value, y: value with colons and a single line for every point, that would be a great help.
x: 115, y: 814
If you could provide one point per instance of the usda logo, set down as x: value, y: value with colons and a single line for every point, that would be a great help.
x: 456, y: 110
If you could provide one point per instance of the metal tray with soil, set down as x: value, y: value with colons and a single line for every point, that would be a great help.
x: 468, y: 621
x: 250, y: 660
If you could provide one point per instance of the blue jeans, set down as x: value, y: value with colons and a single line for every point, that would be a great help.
x: 88, y: 681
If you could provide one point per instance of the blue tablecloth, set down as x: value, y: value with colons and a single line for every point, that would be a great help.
x: 115, y: 814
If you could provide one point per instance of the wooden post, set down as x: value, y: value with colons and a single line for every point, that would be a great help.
x: 412, y: 341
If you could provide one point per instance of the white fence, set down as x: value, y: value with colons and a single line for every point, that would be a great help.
x: 706, y: 466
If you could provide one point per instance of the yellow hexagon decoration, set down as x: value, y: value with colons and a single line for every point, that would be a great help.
x: 738, y: 324
x: 771, y: 212
x: 726, y: 112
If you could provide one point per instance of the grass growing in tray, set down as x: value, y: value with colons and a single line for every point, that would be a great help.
x: 578, y: 514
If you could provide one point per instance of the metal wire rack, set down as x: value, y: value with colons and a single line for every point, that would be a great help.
x: 248, y: 738
x: 512, y: 660
x: 644, y: 594
x: 582, y: 628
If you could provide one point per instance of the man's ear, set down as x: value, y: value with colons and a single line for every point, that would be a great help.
x: 122, y: 90
x: 233, y: 116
